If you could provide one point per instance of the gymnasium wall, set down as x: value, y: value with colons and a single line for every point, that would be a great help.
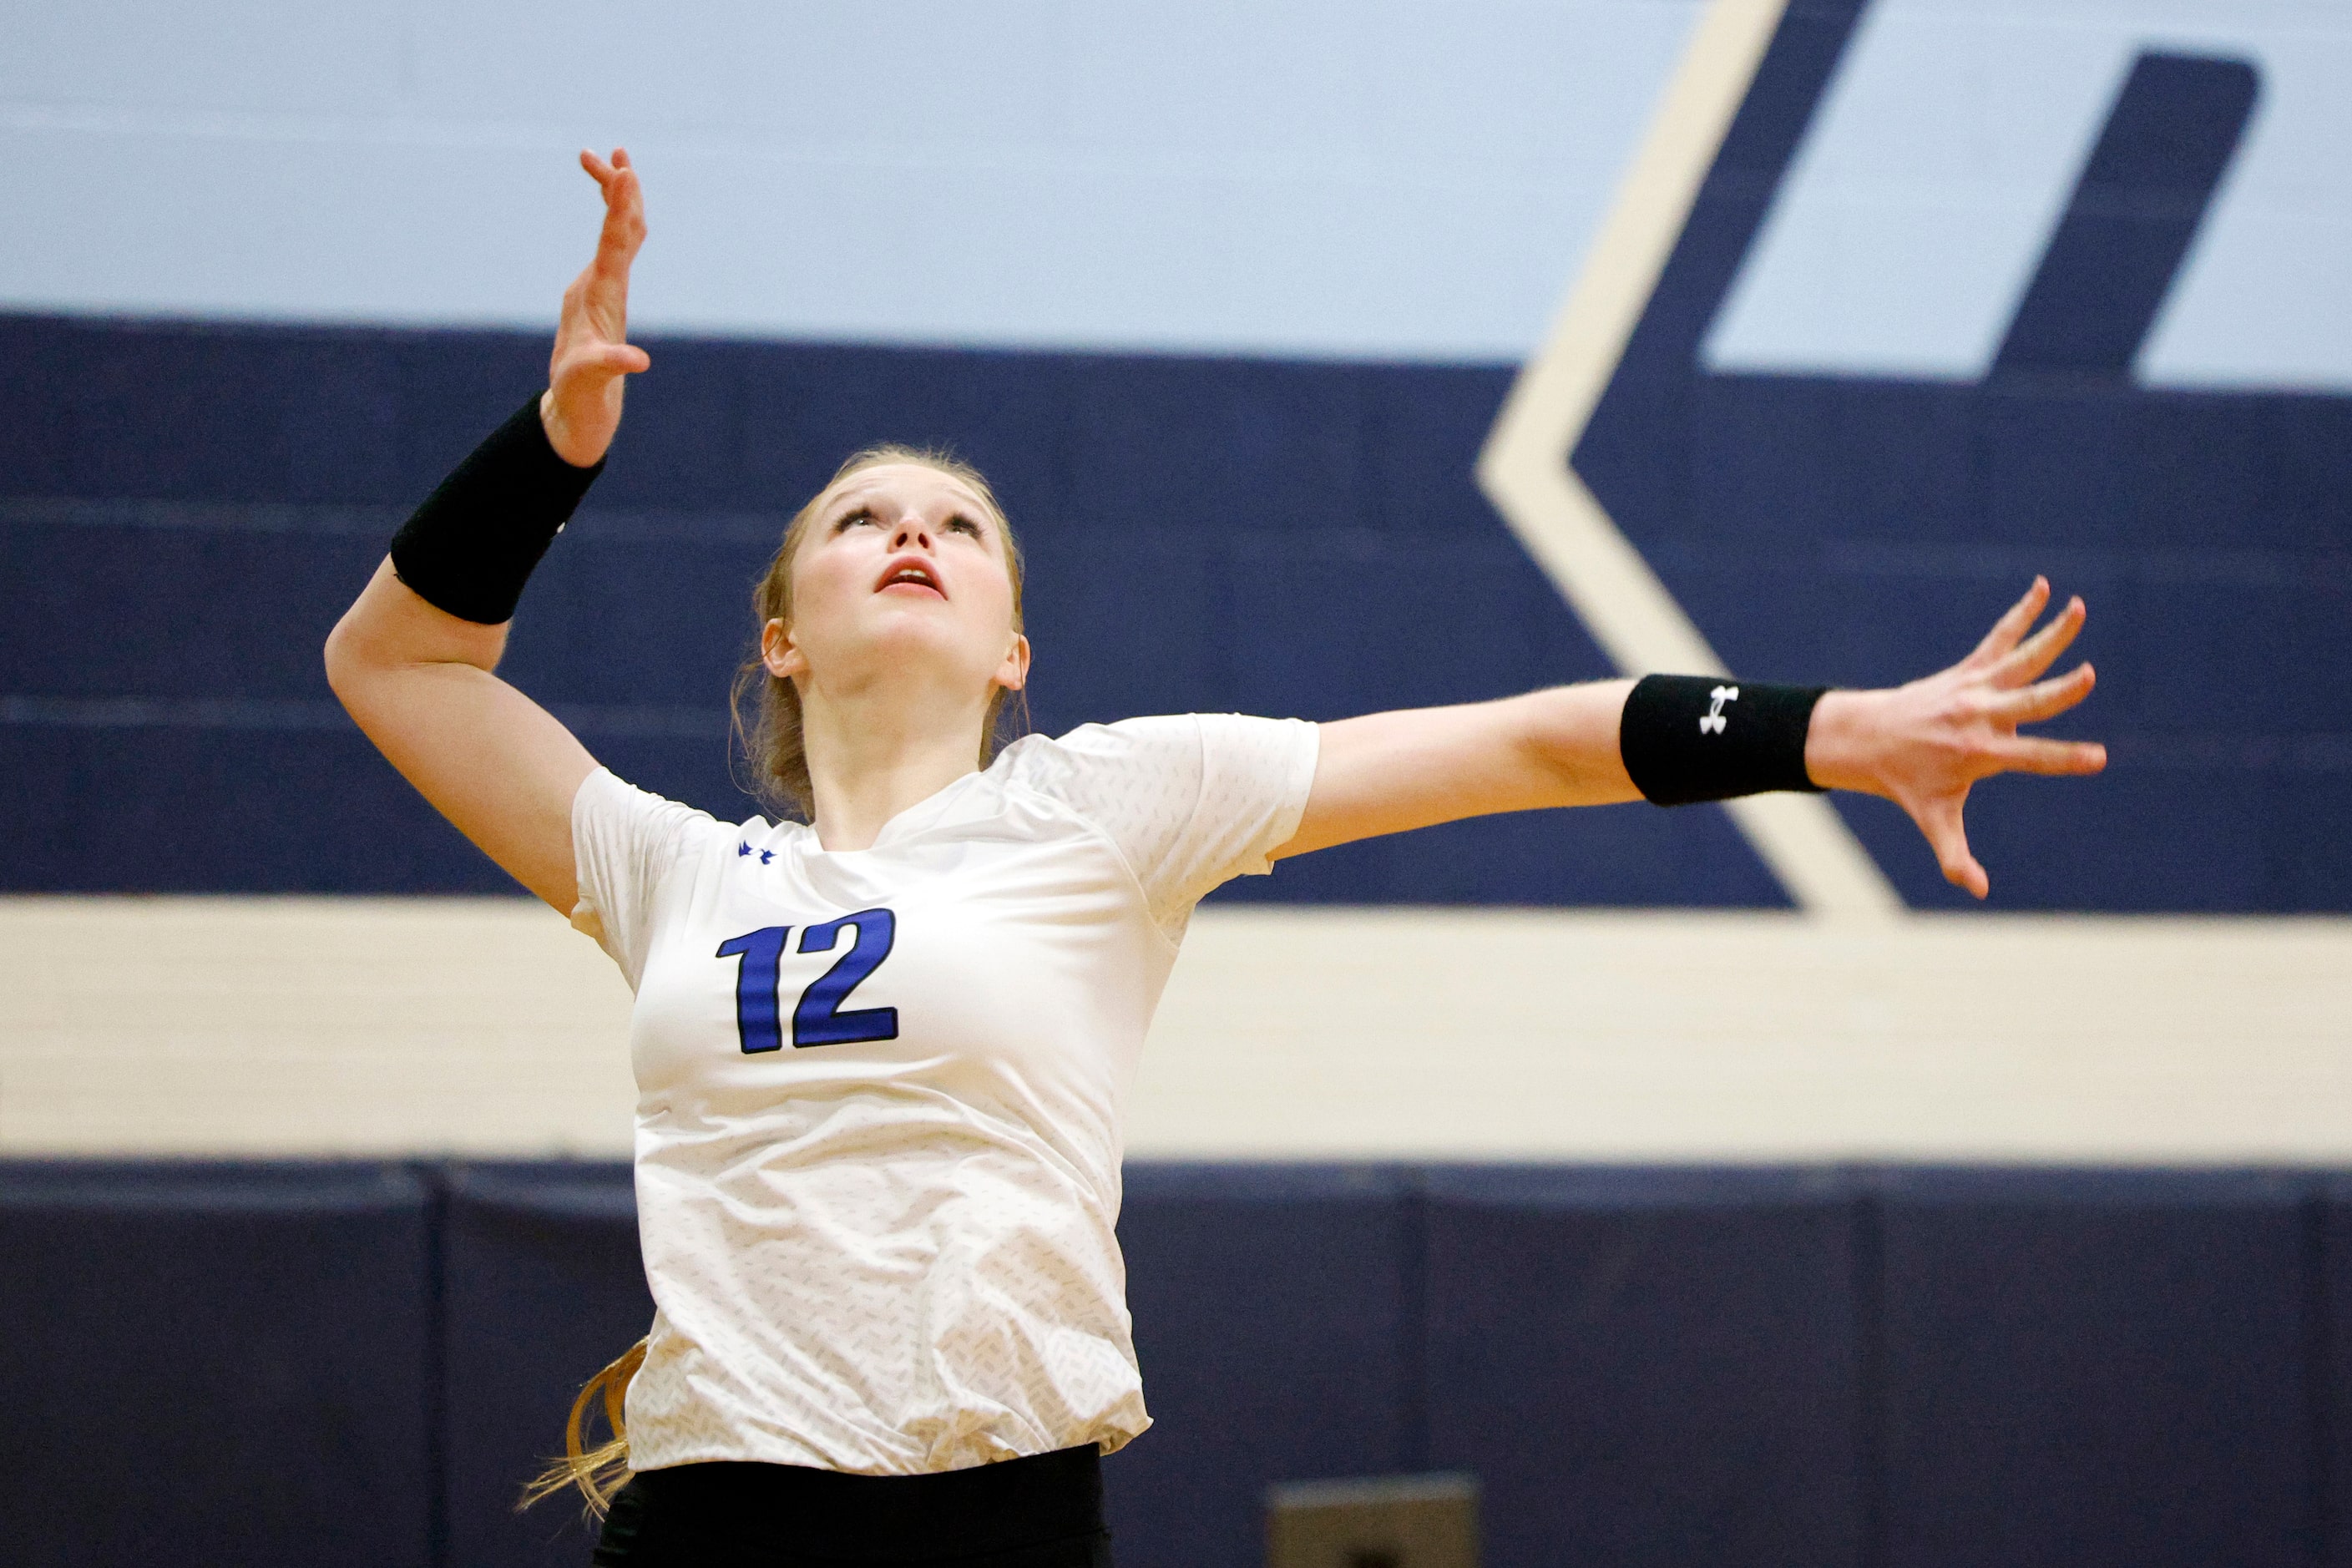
x: 1836, y: 1368
x: 1839, y: 494
x: 1402, y: 177
x: 1227, y: 297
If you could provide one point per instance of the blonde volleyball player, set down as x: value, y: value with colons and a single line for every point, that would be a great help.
x: 880, y: 1055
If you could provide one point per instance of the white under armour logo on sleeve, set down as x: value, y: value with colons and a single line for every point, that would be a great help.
x: 1712, y: 722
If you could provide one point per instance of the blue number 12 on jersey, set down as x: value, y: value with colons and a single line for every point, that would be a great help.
x: 818, y: 1020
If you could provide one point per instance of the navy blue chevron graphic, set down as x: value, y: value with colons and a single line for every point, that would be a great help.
x: 1839, y: 528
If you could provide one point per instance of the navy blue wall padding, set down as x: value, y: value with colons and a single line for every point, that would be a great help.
x: 2331, y: 1293
x: 1649, y: 1368
x: 2088, y: 1370
x: 542, y: 1285
x: 184, y: 510
x: 227, y: 1364
x: 1274, y: 1319
x: 1892, y: 1369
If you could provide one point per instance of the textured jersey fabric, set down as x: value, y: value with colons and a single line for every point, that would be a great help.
x: 878, y: 1221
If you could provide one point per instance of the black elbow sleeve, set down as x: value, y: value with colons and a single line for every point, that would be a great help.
x: 472, y: 546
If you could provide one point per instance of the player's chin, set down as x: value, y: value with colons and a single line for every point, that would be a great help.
x: 906, y: 627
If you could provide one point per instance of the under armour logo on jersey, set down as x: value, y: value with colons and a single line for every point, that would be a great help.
x: 1712, y: 722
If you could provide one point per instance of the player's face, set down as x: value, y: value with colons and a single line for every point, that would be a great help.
x: 902, y: 575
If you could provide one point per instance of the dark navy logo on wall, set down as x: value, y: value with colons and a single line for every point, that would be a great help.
x: 1855, y: 528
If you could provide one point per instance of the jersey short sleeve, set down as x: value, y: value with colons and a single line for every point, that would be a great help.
x: 624, y: 842
x: 1189, y: 800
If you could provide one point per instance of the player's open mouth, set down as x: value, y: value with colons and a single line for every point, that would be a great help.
x: 912, y: 576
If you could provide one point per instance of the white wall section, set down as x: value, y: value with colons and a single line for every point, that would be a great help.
x: 1919, y: 202
x: 1940, y: 162
x: 1398, y: 178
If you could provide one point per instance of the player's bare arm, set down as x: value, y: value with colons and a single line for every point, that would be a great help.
x: 422, y: 683
x: 1922, y: 746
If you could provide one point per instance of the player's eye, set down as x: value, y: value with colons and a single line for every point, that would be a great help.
x: 862, y: 515
x: 965, y: 523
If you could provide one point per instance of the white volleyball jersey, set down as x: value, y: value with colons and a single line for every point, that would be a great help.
x: 879, y: 1091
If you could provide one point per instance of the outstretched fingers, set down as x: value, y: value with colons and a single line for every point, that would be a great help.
x: 2012, y: 626
x: 625, y: 207
x: 605, y: 171
x: 2045, y: 700
x: 625, y: 217
x: 2027, y: 661
x: 1940, y: 819
x: 1962, y: 726
x: 592, y: 353
x: 619, y: 358
x: 2052, y: 759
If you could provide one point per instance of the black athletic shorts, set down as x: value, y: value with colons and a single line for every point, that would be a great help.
x: 1044, y: 1511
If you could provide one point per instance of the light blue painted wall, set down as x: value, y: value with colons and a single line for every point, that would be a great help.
x: 1407, y: 178
x: 1920, y: 203
x: 1414, y: 178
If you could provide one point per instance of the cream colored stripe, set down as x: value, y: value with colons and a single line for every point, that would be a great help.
x: 1525, y: 471
x: 251, y: 1026
x: 1555, y: 395
x: 258, y: 1026
x: 1671, y: 1036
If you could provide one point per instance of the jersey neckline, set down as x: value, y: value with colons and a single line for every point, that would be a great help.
x: 909, y: 819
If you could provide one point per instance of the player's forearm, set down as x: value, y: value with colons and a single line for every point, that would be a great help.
x: 1843, y: 744
x: 457, y: 568
x: 1569, y: 733
x: 1678, y: 740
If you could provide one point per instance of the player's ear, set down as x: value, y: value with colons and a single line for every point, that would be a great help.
x: 1013, y: 673
x: 780, y: 653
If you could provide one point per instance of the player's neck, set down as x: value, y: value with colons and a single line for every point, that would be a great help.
x: 870, y: 758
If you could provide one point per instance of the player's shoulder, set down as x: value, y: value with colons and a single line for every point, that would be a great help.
x: 1174, y: 747
x: 608, y: 801
x: 1157, y: 741
x: 1120, y: 737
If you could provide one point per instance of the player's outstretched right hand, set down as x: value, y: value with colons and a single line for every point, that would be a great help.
x: 1923, y: 744
x: 582, y: 407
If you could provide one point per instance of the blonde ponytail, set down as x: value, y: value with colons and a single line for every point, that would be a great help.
x: 600, y: 1471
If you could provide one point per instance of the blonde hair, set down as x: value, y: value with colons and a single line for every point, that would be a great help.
x: 772, y: 740
x: 602, y: 1470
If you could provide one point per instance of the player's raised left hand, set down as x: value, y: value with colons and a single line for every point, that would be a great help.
x: 1923, y: 745
x: 582, y: 408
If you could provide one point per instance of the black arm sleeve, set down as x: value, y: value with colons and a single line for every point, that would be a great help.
x: 1687, y: 738
x: 471, y: 546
